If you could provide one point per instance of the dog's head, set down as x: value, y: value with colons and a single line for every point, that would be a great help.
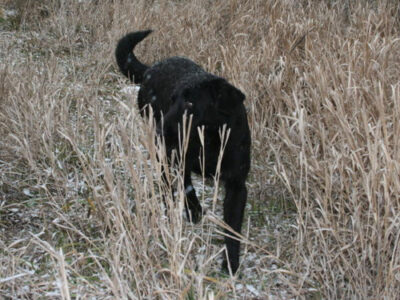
x: 212, y: 103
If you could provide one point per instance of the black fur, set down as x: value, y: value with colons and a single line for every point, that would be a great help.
x: 177, y: 85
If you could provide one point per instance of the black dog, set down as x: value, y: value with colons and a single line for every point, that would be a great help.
x: 176, y: 86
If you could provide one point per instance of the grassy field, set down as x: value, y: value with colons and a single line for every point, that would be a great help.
x: 81, y: 210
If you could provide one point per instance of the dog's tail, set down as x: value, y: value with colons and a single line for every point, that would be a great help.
x: 127, y: 61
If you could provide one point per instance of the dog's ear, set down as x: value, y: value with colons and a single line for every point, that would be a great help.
x: 225, y: 95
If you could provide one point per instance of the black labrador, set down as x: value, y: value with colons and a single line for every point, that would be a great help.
x: 177, y: 86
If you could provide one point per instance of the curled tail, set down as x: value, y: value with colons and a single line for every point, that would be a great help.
x: 126, y: 60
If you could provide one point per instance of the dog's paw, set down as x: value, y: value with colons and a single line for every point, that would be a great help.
x: 196, y: 215
x: 233, y: 267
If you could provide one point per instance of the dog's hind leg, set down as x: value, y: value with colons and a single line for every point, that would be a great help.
x: 234, y: 204
x: 193, y: 208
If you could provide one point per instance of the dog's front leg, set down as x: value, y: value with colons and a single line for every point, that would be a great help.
x: 234, y: 204
x: 193, y: 208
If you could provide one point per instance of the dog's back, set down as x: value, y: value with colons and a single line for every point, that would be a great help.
x: 162, y: 79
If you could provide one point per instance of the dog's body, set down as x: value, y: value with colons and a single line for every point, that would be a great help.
x: 176, y: 86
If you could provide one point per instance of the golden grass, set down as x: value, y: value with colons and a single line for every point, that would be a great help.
x: 80, y: 193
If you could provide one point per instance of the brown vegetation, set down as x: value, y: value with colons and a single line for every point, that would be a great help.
x: 80, y: 208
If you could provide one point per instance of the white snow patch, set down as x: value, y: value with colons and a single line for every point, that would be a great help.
x: 130, y: 90
x: 252, y: 289
x: 27, y: 192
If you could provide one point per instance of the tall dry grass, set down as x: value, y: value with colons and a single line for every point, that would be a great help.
x: 80, y: 194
